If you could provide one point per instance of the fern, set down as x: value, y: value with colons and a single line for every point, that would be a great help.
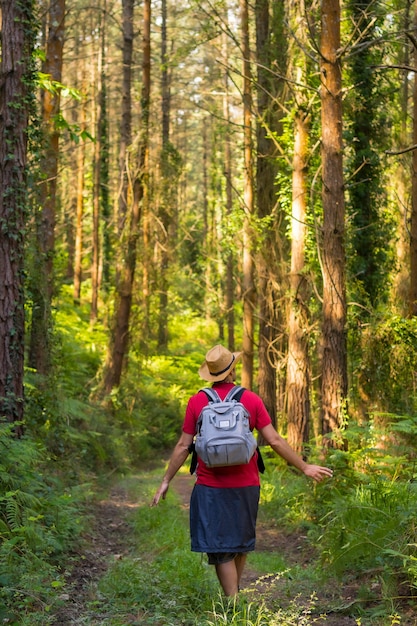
x: 38, y: 520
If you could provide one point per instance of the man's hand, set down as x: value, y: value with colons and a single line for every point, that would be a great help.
x: 161, y: 493
x: 317, y: 472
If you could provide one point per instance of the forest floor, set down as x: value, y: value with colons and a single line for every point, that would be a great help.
x: 108, y: 540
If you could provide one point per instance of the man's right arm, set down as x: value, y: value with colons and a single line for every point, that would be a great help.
x: 282, y: 447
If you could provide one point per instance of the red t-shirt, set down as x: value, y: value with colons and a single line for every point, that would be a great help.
x: 246, y: 475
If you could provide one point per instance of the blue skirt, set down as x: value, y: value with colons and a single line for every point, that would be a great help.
x: 223, y: 520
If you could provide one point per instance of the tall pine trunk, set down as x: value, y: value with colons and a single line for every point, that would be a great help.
x: 298, y: 383
x: 119, y: 344
x: 334, y: 360
x: 230, y: 261
x: 413, y: 218
x: 269, y: 264
x: 79, y: 218
x: 298, y: 367
x: 165, y: 208
x: 43, y: 280
x: 17, y: 19
x: 126, y: 113
x: 100, y: 175
x: 249, y: 292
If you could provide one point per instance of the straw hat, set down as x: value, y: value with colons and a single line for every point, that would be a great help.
x: 218, y: 364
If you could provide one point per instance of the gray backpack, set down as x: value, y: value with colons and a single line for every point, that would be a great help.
x: 223, y: 430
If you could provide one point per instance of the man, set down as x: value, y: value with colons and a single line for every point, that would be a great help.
x: 224, y: 501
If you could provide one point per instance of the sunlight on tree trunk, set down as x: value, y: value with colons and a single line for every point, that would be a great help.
x: 249, y: 293
x: 298, y: 383
x: 298, y: 366
x: 334, y: 367
x: 413, y: 217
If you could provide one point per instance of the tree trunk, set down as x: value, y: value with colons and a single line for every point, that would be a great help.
x: 298, y: 379
x: 206, y: 238
x: 126, y: 114
x: 249, y: 293
x: 268, y: 263
x: 165, y: 209
x: 78, y: 257
x: 334, y: 365
x: 413, y: 217
x: 230, y: 262
x: 16, y: 85
x: 106, y: 239
x: 119, y: 346
x: 99, y: 150
x: 43, y: 279
x: 170, y: 165
x: 405, y: 85
x: 298, y: 367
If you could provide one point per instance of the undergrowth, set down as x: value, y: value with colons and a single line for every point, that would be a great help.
x: 40, y: 519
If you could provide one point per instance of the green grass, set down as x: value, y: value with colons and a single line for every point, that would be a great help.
x: 162, y: 582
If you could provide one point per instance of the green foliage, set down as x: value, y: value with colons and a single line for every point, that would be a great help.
x: 58, y: 408
x: 385, y: 374
x: 370, y: 226
x: 39, y: 521
x: 371, y: 527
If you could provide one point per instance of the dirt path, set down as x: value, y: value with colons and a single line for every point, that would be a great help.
x: 105, y: 541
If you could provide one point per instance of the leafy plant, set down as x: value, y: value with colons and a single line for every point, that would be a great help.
x: 39, y: 521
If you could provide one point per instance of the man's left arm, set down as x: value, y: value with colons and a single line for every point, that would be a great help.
x: 177, y: 459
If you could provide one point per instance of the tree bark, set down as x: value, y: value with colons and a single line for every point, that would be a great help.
x: 269, y: 263
x: 230, y: 261
x: 249, y: 292
x: 79, y: 218
x: 16, y: 80
x: 334, y: 362
x: 43, y: 279
x: 119, y: 346
x: 166, y: 183
x: 298, y: 378
x: 126, y: 113
x: 298, y: 367
x: 413, y: 217
x: 99, y: 150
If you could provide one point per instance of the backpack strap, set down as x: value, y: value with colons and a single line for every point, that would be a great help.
x: 235, y: 394
x: 193, y: 464
x: 211, y: 394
